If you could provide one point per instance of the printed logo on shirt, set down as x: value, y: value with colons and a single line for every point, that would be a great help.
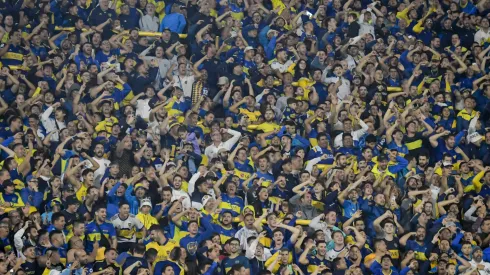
x: 192, y: 248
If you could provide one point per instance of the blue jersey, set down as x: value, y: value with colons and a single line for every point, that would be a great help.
x: 192, y: 243
x: 14, y: 55
x: 418, y: 249
x: 402, y: 150
x: 442, y: 149
x: 235, y: 204
x: 243, y: 170
x: 350, y: 208
x: 228, y: 263
x: 93, y: 233
x: 318, y: 151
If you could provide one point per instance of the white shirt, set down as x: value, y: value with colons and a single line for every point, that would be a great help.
x: 51, y: 124
x: 103, y: 165
x: 212, y: 150
x: 185, y: 83
x: 333, y: 254
x: 482, y: 36
x: 128, y: 224
x: 317, y: 224
x: 40, y: 133
x: 143, y: 108
x: 356, y: 135
x: 281, y: 67
x: 344, y: 89
x: 243, y: 234
x: 177, y: 194
x: 367, y: 27
x: 351, y: 62
x: 485, y: 271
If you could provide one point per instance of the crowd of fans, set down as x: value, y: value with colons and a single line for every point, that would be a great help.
x: 244, y: 137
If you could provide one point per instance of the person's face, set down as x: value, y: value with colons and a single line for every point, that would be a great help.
x: 167, y: 196
x: 348, y: 142
x: 380, y: 199
x: 389, y: 228
x: 353, y: 195
x: 104, y: 4
x: 478, y: 255
x: 466, y: 249
x: 177, y: 182
x: 249, y: 220
x: 386, y: 263
x: 60, y: 223
x: 234, y: 247
x: 427, y: 206
x: 450, y: 142
x: 102, y: 214
x: 347, y: 126
x: 323, y: 142
x: 231, y: 189
x: 3, y: 268
x: 331, y: 218
x: 486, y: 226
x: 263, y: 194
x: 284, y: 257
x: 383, y: 164
x: 87, y: 49
x: 338, y: 238
x: 105, y: 45
x: 124, y: 210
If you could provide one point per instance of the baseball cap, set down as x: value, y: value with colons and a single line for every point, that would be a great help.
x: 224, y: 80
x: 74, y: 87
x: 436, y: 58
x: 249, y: 48
x: 205, y: 199
x: 175, y: 123
x: 145, y: 202
x: 221, y: 150
x: 139, y: 185
x: 476, y: 248
x: 29, y: 178
x: 68, y: 188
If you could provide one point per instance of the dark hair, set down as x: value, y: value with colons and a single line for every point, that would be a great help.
x: 52, y: 233
x: 139, y: 248
x: 57, y: 216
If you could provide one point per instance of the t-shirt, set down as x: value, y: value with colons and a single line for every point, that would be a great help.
x: 93, y: 233
x: 228, y: 263
x: 127, y: 228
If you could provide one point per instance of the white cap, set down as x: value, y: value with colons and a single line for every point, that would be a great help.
x: 205, y: 199
x: 474, y: 137
x: 223, y: 80
x: 249, y: 48
x: 145, y: 202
